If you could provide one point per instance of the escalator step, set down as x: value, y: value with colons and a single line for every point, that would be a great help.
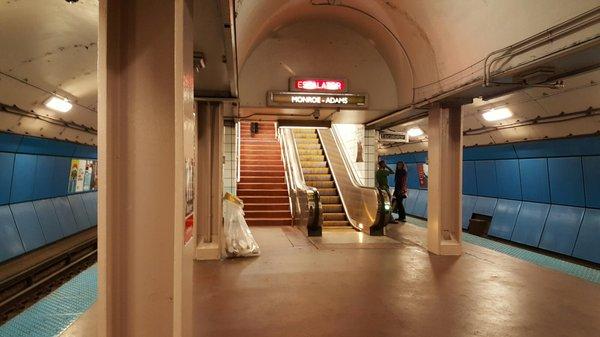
x: 333, y: 208
x: 313, y: 157
x: 335, y: 223
x: 309, y: 152
x: 330, y: 200
x: 328, y: 191
x: 311, y: 164
x: 315, y: 170
x: 321, y: 184
x: 321, y: 177
x: 334, y: 216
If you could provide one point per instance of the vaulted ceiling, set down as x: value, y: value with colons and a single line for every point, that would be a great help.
x: 401, y: 51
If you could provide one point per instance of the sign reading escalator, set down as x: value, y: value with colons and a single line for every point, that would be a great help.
x: 319, y: 100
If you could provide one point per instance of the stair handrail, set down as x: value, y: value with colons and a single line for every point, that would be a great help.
x: 305, y: 201
x: 367, y: 208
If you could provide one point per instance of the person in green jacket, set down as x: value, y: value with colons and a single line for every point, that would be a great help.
x: 381, y: 177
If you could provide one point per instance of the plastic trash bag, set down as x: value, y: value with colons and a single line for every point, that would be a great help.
x: 239, y: 241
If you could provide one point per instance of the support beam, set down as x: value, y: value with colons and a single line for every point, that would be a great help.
x: 146, y: 145
x: 445, y: 180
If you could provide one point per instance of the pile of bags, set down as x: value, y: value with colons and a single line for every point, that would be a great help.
x: 239, y: 241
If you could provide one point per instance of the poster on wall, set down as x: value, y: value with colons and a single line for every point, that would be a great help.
x: 83, y: 176
x: 423, y: 170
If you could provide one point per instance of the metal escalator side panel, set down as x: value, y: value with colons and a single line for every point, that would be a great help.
x: 307, y: 207
x: 361, y: 204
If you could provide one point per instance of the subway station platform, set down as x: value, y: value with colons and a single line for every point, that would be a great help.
x: 346, y: 283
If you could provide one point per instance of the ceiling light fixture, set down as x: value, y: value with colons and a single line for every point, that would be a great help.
x: 497, y: 114
x: 58, y: 104
x: 414, y: 132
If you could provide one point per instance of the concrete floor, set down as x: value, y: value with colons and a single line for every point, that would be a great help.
x: 387, y: 289
x: 349, y: 284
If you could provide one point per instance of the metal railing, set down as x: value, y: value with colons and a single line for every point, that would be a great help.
x: 367, y: 208
x: 305, y: 202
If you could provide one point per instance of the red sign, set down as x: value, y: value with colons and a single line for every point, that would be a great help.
x: 318, y: 85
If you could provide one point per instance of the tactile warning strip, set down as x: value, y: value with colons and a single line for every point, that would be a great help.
x: 56, y: 312
x: 582, y: 272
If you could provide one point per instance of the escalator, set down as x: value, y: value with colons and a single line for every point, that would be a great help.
x: 323, y: 187
x: 317, y: 174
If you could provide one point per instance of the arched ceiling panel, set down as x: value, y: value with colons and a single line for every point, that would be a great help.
x: 317, y: 48
x: 49, y: 47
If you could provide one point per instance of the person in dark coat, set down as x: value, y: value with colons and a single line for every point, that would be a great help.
x: 400, y: 190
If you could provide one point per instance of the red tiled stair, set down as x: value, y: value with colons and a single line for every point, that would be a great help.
x: 262, y: 184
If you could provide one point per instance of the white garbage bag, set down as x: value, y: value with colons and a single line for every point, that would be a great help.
x: 239, y: 241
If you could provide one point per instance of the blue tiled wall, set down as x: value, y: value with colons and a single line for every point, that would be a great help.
x: 34, y: 208
x: 541, y: 193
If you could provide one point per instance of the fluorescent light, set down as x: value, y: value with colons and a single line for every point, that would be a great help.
x: 414, y: 132
x: 497, y: 114
x: 58, y: 104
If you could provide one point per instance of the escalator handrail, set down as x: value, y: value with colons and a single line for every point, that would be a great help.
x: 376, y: 215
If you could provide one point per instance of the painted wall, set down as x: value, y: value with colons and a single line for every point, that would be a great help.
x: 541, y: 193
x: 35, y: 208
x: 317, y: 48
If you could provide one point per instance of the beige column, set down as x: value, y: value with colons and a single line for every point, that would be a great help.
x: 147, y: 158
x: 210, y: 183
x: 445, y: 180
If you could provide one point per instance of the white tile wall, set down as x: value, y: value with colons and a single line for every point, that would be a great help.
x: 350, y: 134
x: 230, y: 166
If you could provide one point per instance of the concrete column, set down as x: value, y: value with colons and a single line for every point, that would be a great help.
x: 147, y: 160
x: 445, y: 180
x: 210, y: 183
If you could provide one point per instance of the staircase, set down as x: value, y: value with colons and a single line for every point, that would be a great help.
x: 262, y: 184
x: 317, y: 174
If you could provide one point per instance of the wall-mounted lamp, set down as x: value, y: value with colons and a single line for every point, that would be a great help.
x: 497, y: 114
x: 58, y: 104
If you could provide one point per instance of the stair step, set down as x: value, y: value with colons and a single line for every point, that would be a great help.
x: 263, y: 207
x: 260, y: 186
x: 262, y: 192
x: 258, y: 156
x: 267, y: 214
x: 330, y: 200
x: 260, y: 151
x: 260, y: 146
x: 329, y: 208
x: 269, y: 222
x: 327, y: 191
x: 264, y: 200
x: 260, y: 161
x: 261, y: 167
x: 334, y: 216
x: 332, y: 223
x: 320, y: 177
x: 262, y: 179
x: 254, y: 173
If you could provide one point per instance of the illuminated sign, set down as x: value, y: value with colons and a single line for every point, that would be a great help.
x: 318, y: 84
x: 303, y: 99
